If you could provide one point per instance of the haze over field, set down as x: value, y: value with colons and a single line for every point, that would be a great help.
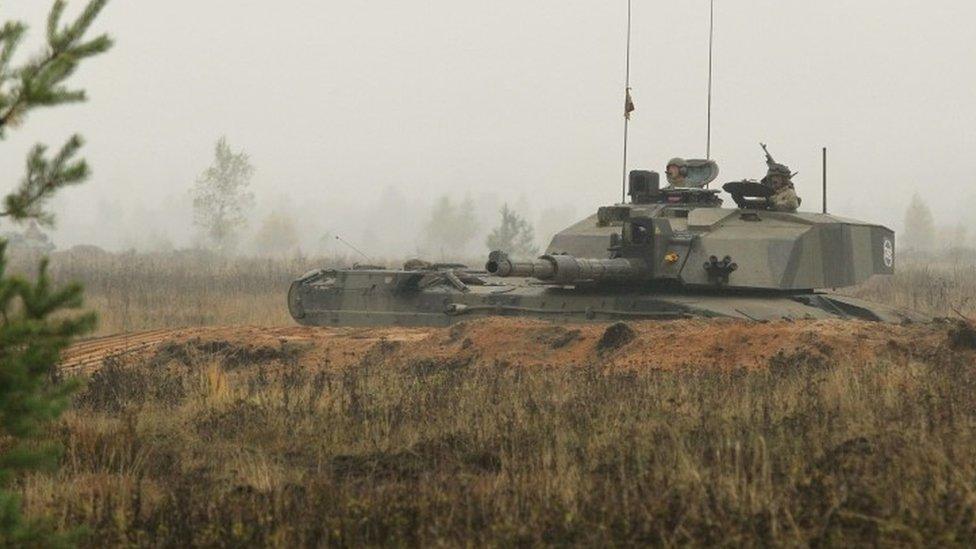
x: 359, y: 115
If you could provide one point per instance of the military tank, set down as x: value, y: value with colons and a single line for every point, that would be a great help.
x: 671, y: 252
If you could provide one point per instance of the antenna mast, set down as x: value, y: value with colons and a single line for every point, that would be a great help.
x: 825, y: 180
x: 355, y: 249
x: 711, y: 35
x: 628, y: 107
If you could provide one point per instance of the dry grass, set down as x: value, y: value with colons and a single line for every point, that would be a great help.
x: 937, y: 287
x: 146, y: 291
x: 134, y: 292
x: 190, y: 448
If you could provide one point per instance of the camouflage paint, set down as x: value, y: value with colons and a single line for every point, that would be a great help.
x: 781, y: 258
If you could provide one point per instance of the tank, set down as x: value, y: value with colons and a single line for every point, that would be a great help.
x: 672, y: 252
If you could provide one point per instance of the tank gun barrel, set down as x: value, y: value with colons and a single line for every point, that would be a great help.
x: 566, y: 269
x: 499, y: 264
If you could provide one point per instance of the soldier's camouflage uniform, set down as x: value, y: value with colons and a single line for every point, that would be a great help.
x: 784, y: 200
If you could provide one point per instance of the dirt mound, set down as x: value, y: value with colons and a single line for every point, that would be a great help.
x: 650, y: 345
x: 962, y: 335
x: 616, y: 336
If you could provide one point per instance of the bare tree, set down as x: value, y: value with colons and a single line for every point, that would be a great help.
x: 221, y: 199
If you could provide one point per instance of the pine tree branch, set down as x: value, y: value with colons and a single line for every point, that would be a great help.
x: 10, y: 37
x: 44, y: 178
x: 40, y: 79
x: 33, y: 328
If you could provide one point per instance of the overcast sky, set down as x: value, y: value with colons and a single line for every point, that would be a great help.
x: 339, y: 102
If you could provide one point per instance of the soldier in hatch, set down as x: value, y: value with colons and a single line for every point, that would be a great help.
x: 677, y: 173
x: 780, y: 180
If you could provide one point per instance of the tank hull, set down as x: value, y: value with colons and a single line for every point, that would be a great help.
x: 419, y: 298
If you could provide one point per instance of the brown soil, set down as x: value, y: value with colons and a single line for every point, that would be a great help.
x: 649, y: 345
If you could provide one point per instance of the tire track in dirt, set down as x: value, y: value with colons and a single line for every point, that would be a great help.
x: 88, y: 353
x: 85, y: 356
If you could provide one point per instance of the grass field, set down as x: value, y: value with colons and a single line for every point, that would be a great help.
x: 134, y: 292
x: 146, y: 291
x: 215, y: 445
x: 941, y: 288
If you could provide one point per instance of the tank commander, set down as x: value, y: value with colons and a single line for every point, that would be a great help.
x: 780, y: 180
x: 784, y: 198
x: 677, y: 173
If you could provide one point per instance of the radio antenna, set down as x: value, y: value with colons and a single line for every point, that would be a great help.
x: 355, y: 249
x: 825, y: 180
x: 628, y: 108
x: 711, y: 36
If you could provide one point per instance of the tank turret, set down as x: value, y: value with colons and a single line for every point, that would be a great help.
x: 675, y: 233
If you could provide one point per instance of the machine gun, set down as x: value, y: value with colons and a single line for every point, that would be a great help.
x: 769, y: 158
x: 774, y: 166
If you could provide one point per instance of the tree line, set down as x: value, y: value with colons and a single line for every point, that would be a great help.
x: 223, y: 203
x: 922, y: 235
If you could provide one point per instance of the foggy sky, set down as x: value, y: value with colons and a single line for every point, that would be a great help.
x: 358, y: 114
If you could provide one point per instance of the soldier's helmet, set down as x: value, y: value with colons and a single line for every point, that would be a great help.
x: 692, y: 173
x: 779, y: 169
x: 679, y: 162
x: 682, y: 172
x: 782, y: 171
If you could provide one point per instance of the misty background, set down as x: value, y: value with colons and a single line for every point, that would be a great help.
x: 360, y: 116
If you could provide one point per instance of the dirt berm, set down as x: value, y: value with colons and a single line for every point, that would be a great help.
x: 650, y: 345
